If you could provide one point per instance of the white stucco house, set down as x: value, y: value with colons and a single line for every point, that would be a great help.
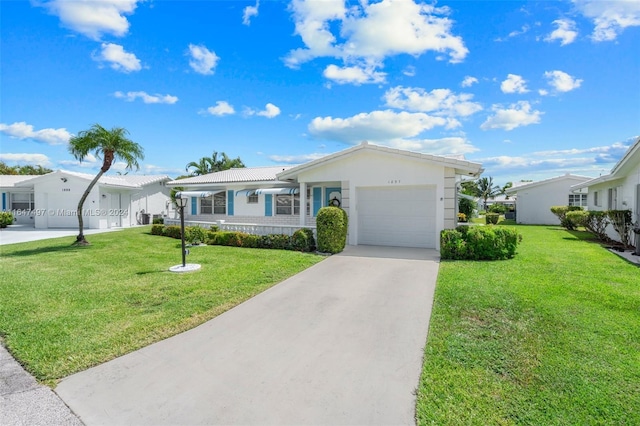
x: 51, y: 200
x: 392, y: 197
x: 535, y: 199
x: 618, y: 190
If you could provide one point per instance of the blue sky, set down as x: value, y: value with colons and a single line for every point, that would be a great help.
x: 530, y: 89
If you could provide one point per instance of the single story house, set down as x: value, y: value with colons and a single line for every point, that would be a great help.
x: 535, y: 199
x: 51, y: 200
x: 618, y: 190
x: 392, y: 197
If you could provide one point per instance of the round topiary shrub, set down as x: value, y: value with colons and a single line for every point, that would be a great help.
x: 331, y: 225
x: 302, y: 240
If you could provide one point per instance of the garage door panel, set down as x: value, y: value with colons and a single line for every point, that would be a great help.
x: 398, y: 216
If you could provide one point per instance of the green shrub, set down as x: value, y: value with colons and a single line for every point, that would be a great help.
x: 6, y: 219
x: 622, y: 222
x: 302, y: 240
x: 331, y: 226
x: 158, y: 221
x: 596, y: 222
x: 250, y: 241
x: 452, y: 244
x: 561, y: 213
x: 173, y: 231
x: 498, y: 208
x: 195, y: 234
x: 466, y: 206
x: 479, y: 243
x: 491, y: 218
x: 214, y: 228
x: 157, y: 229
x: 275, y: 241
x: 576, y: 218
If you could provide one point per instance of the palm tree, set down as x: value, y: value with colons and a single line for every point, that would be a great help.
x: 110, y: 145
x: 202, y: 167
x: 486, y: 189
x: 214, y: 164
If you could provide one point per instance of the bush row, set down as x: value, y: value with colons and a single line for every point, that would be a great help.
x: 596, y: 222
x: 301, y: 240
x: 479, y: 243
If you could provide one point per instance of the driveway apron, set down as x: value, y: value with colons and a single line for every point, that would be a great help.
x: 340, y: 343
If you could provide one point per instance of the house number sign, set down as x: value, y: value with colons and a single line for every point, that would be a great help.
x: 393, y: 181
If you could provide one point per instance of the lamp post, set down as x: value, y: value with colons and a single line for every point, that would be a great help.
x: 182, y: 203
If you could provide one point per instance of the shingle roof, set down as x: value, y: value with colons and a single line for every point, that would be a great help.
x: 124, y: 181
x: 9, y: 181
x: 245, y: 174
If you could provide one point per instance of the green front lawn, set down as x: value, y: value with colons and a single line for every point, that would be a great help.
x: 551, y: 337
x: 65, y: 308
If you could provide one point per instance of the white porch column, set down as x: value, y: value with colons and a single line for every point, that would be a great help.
x: 303, y: 204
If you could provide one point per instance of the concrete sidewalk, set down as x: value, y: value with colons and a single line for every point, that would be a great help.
x: 340, y: 343
x: 14, y: 234
x: 24, y: 402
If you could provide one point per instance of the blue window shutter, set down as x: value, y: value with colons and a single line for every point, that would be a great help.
x: 194, y: 205
x: 317, y: 200
x: 230, y: 199
x: 4, y: 201
x: 268, y: 205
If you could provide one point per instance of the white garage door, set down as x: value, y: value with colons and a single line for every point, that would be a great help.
x: 397, y: 216
x: 61, y: 210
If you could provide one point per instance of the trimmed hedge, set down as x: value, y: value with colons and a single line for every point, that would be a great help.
x: 491, y: 218
x: 332, y: 224
x: 479, y: 243
x: 561, y: 213
x: 302, y: 239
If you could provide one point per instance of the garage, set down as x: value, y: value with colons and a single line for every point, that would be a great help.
x: 401, y: 216
x: 61, y: 211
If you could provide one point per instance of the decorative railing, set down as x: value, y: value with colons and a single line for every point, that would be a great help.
x: 249, y: 228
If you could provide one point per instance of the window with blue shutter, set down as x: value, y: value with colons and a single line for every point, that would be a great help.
x: 230, y: 199
x: 317, y: 200
x: 194, y: 206
x: 268, y: 205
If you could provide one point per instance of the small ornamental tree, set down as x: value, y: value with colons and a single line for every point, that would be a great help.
x: 331, y: 226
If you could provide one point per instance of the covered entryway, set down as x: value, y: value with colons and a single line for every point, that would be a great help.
x: 400, y: 216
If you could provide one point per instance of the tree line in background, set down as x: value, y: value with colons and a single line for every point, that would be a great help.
x: 218, y: 162
x: 23, y: 170
x: 482, y: 188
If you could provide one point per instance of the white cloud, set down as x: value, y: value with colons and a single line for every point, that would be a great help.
x: 514, y: 84
x: 270, y: 111
x: 93, y: 18
x: 203, y: 61
x: 565, y: 32
x: 249, y: 12
x: 443, y: 146
x: 221, y: 108
x: 543, y: 92
x: 22, y: 130
x: 117, y: 57
x: 561, y: 81
x: 33, y: 159
x: 146, y: 98
x: 355, y: 75
x: 376, y: 126
x: 441, y: 102
x: 517, y: 115
x: 610, y: 17
x: 468, y: 81
x: 370, y: 32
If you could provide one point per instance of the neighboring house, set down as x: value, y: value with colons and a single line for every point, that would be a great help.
x: 535, y: 199
x: 507, y: 200
x: 51, y: 200
x: 392, y: 197
x: 619, y: 190
x: 16, y: 198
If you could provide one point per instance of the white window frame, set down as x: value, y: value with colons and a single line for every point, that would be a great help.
x: 29, y: 204
x: 206, y: 205
x: 220, y: 203
x: 578, y: 200
x: 287, y: 205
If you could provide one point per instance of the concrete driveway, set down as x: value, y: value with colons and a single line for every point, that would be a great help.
x: 340, y: 343
x: 13, y: 234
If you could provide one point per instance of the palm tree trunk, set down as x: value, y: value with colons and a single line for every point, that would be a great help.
x: 80, y: 239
